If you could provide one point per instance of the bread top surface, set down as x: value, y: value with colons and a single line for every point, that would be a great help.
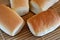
x: 44, y: 20
x: 19, y: 3
x: 9, y: 18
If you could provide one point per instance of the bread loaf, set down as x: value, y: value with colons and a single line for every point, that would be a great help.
x: 10, y: 22
x: 38, y: 6
x: 44, y: 23
x: 20, y: 6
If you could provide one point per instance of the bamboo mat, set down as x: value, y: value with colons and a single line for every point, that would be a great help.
x: 25, y: 34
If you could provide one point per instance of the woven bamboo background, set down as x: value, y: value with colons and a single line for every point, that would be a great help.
x: 25, y: 34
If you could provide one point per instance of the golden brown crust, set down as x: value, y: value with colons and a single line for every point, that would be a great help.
x: 44, y: 20
x: 9, y: 18
x: 19, y: 3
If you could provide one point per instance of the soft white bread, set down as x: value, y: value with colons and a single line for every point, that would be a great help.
x: 38, y: 6
x: 20, y: 6
x: 10, y: 22
x: 44, y: 23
